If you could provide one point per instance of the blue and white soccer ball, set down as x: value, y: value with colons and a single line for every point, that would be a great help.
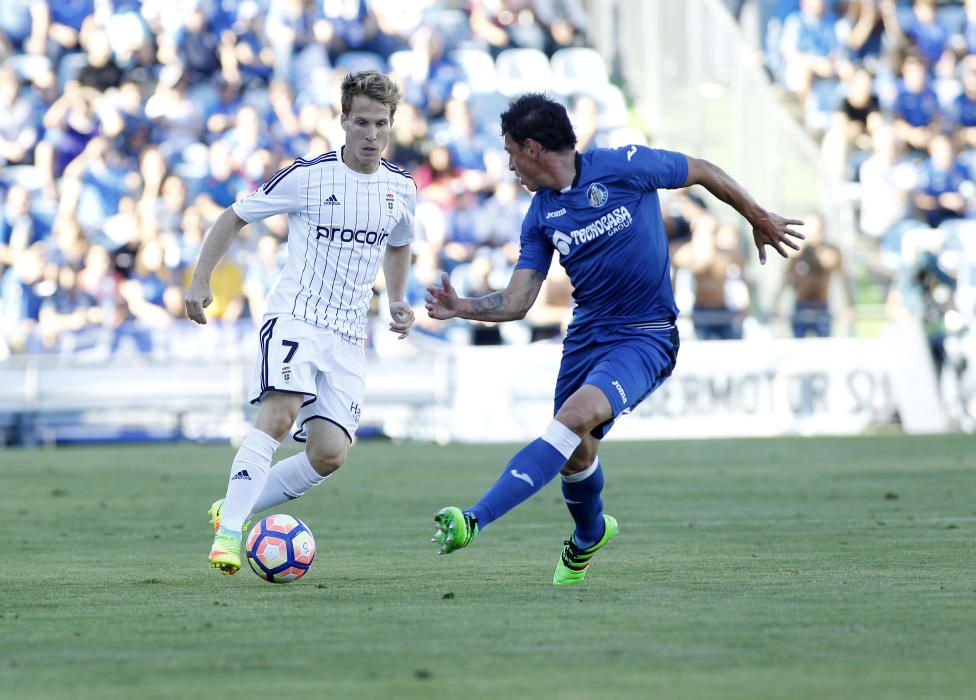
x: 280, y: 548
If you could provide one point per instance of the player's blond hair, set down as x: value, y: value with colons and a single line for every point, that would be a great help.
x: 371, y: 84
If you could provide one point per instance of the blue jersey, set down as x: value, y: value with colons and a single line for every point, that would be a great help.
x: 608, y: 229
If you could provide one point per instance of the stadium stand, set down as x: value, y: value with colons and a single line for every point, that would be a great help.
x: 126, y: 126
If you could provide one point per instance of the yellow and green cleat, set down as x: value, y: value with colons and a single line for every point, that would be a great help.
x: 454, y: 529
x: 225, y: 555
x: 572, y: 564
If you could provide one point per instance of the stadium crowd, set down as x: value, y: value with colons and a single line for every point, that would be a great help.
x: 126, y: 127
x: 889, y: 89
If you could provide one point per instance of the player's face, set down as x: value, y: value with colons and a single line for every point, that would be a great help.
x: 367, y: 127
x: 523, y: 163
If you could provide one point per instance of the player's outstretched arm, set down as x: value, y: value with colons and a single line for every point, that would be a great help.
x: 510, y: 304
x: 768, y: 228
x: 198, y: 295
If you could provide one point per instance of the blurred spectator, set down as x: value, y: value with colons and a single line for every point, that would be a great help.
x: 810, y: 47
x: 20, y: 228
x: 861, y: 33
x: 15, y: 25
x: 18, y: 132
x: 809, y: 276
x: 851, y: 126
x: 565, y: 22
x: 716, y: 265
x: 944, y: 184
x: 916, y: 107
x: 22, y: 291
x: 923, y: 30
x: 68, y: 315
x: 886, y: 178
x: 100, y: 71
x: 964, y: 106
x: 924, y: 290
x: 174, y: 111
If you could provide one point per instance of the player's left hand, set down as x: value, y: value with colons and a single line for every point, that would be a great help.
x: 773, y: 230
x: 402, y: 316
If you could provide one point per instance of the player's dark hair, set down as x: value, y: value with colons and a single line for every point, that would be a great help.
x: 535, y: 116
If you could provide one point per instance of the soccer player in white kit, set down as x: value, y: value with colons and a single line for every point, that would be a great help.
x: 348, y: 210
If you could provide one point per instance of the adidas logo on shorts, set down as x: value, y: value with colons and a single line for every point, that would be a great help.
x: 242, y: 474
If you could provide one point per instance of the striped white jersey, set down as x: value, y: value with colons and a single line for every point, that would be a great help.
x: 339, y: 224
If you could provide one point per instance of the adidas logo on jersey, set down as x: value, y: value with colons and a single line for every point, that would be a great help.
x: 242, y: 474
x: 332, y: 201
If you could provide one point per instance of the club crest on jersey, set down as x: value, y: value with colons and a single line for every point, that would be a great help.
x: 390, y: 199
x: 597, y: 195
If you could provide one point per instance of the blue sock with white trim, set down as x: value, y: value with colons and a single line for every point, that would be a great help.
x: 582, y: 493
x: 532, y: 467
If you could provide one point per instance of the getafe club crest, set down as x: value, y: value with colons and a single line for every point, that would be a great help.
x: 597, y: 195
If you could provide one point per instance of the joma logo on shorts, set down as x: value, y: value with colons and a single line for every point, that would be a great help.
x: 347, y: 235
x: 620, y: 390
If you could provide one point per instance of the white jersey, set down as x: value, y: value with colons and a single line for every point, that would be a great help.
x: 339, y: 224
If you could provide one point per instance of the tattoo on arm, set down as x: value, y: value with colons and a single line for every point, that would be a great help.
x: 505, y: 305
x: 489, y: 304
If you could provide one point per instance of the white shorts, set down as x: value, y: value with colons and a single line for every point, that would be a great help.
x: 329, y: 371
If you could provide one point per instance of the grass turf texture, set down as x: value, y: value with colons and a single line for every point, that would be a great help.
x: 744, y: 569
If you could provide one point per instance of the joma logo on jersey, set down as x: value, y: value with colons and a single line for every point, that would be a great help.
x: 554, y: 214
x: 347, y: 235
x: 608, y: 224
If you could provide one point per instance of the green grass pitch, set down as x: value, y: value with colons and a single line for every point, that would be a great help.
x: 792, y: 568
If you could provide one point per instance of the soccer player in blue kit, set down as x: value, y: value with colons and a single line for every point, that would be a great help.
x: 600, y: 211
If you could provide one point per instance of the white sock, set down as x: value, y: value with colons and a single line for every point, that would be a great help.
x: 288, y: 479
x: 583, y: 475
x: 248, y: 474
x: 562, y: 438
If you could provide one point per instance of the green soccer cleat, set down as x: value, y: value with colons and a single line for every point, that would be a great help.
x: 225, y: 555
x: 454, y: 529
x: 571, y: 567
x: 215, y: 513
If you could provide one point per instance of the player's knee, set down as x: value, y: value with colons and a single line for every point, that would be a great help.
x: 581, y: 419
x: 326, y: 459
x: 278, y: 423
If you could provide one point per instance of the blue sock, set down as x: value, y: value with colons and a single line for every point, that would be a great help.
x: 534, y: 466
x: 582, y: 493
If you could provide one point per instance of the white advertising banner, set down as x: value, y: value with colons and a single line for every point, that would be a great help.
x: 831, y: 386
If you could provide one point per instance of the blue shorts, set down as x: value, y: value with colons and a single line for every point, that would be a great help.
x: 625, y: 363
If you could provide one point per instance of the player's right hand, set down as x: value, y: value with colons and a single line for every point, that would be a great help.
x: 198, y: 297
x: 442, y: 302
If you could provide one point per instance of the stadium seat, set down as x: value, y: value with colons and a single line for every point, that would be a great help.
x: 26, y: 66
x: 354, y: 61
x: 452, y: 24
x: 408, y: 64
x: 821, y: 104
x: 478, y: 69
x: 486, y: 107
x: 577, y: 69
x: 522, y: 70
x: 69, y: 66
x: 612, y: 106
